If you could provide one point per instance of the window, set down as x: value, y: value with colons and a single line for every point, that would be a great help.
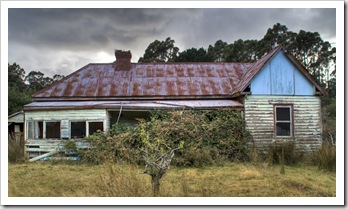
x: 62, y: 130
x: 128, y: 117
x: 94, y: 127
x: 283, y: 120
x: 35, y: 129
x: 43, y: 130
x: 52, y: 130
x: 78, y: 129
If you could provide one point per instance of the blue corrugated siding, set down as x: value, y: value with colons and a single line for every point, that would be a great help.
x: 281, y: 77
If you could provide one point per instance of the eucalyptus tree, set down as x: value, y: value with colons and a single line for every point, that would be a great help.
x: 194, y: 55
x: 160, y: 51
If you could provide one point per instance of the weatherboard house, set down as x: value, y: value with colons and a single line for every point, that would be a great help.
x: 278, y: 98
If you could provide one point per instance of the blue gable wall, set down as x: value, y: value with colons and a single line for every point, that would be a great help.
x: 281, y: 77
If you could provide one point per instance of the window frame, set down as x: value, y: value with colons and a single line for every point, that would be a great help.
x: 291, y: 121
x: 33, y: 130
x: 86, y: 126
x: 44, y: 129
x: 93, y: 121
x: 77, y: 121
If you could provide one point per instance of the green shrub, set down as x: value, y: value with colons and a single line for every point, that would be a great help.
x: 208, y: 137
x: 325, y: 157
x: 70, y: 146
x: 121, y: 146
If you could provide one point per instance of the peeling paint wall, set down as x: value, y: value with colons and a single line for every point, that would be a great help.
x: 36, y: 146
x: 307, y: 126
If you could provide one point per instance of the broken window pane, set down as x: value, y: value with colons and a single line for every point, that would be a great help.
x: 52, y: 130
x: 78, y: 129
x: 94, y: 126
x: 35, y: 130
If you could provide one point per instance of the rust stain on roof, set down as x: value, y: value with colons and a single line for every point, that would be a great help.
x: 149, y: 80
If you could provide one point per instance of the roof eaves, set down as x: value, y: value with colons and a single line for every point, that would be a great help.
x: 299, y: 66
x: 252, y: 72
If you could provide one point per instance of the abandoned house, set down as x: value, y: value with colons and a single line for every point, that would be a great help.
x: 276, y: 95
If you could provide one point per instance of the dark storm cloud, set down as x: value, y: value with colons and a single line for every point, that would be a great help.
x: 233, y: 24
x: 77, y: 29
x: 63, y: 39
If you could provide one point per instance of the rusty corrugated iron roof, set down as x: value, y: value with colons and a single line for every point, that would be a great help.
x: 147, y: 80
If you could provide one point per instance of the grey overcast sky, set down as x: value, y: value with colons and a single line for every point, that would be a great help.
x: 60, y: 41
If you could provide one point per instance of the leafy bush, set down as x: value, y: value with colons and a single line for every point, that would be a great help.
x: 118, y: 146
x: 70, y: 146
x: 207, y: 137
x: 325, y: 157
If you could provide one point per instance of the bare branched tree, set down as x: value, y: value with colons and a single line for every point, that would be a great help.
x: 157, y: 168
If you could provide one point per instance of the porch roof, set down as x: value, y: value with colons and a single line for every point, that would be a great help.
x: 146, y: 104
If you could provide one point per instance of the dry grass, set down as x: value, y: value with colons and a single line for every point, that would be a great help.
x: 48, y: 179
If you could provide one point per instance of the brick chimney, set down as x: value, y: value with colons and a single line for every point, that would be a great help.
x: 123, y: 60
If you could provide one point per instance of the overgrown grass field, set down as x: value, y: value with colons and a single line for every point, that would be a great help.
x: 59, y: 179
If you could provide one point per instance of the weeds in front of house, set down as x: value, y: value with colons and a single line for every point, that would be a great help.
x: 16, y: 148
x: 123, y: 181
x: 46, y: 179
x: 325, y: 157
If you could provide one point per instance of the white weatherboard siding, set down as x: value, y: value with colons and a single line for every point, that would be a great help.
x: 66, y: 116
x: 259, y: 116
x: 35, y: 147
x: 84, y: 114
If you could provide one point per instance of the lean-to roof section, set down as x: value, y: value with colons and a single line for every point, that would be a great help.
x: 140, y: 104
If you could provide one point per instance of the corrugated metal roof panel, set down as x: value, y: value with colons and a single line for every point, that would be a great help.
x: 148, y: 80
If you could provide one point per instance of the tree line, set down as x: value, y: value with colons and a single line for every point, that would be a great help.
x: 22, y: 86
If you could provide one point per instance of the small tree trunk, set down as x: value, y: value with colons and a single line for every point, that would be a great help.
x: 155, y: 181
x: 282, y: 161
